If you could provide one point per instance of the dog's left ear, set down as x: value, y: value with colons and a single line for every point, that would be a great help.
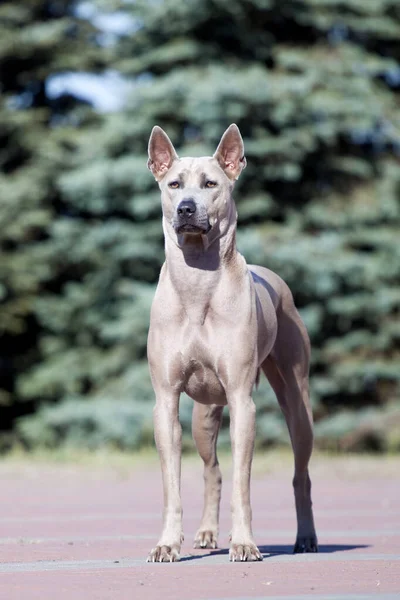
x: 230, y: 152
x: 161, y: 153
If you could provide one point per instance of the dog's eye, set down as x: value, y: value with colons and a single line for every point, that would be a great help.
x: 211, y: 184
x: 174, y: 185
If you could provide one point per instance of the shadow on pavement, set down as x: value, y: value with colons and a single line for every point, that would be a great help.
x: 269, y: 551
x: 322, y: 548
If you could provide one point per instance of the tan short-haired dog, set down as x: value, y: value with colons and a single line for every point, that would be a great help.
x: 215, y: 323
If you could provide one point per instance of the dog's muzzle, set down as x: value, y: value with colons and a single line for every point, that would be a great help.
x: 189, y: 219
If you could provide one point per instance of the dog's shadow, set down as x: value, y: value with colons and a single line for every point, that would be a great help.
x: 277, y: 550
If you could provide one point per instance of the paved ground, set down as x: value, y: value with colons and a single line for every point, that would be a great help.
x: 84, y: 533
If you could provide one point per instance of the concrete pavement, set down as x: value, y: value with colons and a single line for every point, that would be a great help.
x: 84, y: 532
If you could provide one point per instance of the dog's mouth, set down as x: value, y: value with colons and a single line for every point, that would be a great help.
x: 193, y: 229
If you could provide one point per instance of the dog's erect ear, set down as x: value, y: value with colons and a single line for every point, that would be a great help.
x: 230, y: 152
x: 161, y: 153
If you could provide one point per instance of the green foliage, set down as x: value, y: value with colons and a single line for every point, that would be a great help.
x: 367, y: 429
x: 314, y: 87
x: 89, y: 424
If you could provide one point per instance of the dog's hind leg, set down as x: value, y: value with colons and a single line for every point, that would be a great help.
x: 206, y: 422
x: 287, y: 371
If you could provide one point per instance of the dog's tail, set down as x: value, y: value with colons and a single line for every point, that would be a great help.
x: 257, y: 381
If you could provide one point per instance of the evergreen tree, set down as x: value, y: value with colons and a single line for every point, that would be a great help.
x: 313, y: 86
x: 37, y: 40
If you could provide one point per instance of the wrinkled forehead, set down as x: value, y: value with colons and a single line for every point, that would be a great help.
x: 194, y: 171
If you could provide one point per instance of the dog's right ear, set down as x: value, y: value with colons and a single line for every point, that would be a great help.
x: 161, y: 153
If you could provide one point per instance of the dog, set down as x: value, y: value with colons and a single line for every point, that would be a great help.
x: 215, y: 323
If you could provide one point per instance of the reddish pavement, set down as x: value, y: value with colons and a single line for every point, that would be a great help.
x: 84, y: 533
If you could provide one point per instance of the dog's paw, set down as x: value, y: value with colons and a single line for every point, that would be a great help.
x: 244, y: 552
x: 164, y: 554
x: 305, y: 544
x: 205, y: 539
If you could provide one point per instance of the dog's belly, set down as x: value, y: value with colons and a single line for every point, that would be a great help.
x: 203, y: 385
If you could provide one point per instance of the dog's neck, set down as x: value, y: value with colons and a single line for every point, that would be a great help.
x: 196, y: 265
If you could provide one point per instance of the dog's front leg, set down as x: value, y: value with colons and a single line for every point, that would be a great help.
x: 168, y: 437
x: 206, y: 421
x: 242, y: 429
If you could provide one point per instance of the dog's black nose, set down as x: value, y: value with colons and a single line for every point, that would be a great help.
x: 186, y: 208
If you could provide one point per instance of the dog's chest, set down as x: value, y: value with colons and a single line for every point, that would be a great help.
x: 203, y: 384
x: 198, y: 363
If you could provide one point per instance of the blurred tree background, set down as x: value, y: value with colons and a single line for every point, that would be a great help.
x: 314, y: 86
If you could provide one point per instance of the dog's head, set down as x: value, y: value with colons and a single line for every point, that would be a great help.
x: 196, y: 192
